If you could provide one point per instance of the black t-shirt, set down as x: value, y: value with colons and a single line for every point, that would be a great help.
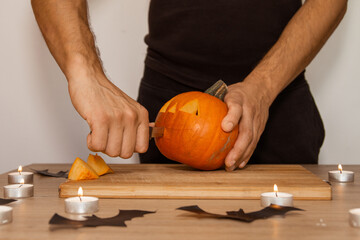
x: 196, y: 42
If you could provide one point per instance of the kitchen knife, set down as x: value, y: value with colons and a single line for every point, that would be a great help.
x: 156, y: 132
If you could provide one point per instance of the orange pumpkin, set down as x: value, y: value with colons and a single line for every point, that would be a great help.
x: 98, y: 164
x: 192, y: 130
x: 80, y: 170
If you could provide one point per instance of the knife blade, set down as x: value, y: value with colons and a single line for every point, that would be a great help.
x: 156, y: 132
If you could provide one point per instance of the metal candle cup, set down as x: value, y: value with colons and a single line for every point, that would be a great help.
x: 5, y: 214
x: 19, y: 191
x: 282, y: 199
x: 15, y: 177
x: 340, y: 175
x: 354, y: 217
x: 278, y: 198
x: 81, y: 205
x: 20, y: 177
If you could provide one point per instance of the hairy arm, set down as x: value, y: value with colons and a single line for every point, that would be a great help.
x: 250, y: 100
x: 65, y: 27
x: 119, y: 125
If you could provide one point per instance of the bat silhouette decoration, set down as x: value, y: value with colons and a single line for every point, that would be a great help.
x: 94, y: 221
x: 45, y: 172
x: 6, y: 201
x: 240, y: 215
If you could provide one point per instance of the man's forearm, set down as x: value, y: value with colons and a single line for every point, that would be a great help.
x: 119, y: 126
x: 64, y: 25
x: 300, y: 41
x: 249, y: 101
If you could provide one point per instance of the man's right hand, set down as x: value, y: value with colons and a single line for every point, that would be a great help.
x: 119, y: 125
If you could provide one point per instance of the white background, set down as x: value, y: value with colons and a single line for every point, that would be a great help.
x: 38, y: 124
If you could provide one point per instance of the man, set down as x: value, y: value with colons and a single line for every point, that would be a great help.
x: 260, y: 48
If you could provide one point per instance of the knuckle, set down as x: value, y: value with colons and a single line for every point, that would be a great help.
x: 144, y: 112
x: 237, y: 151
x: 233, y: 104
x: 126, y: 154
x: 97, y: 146
x: 112, y: 152
x: 90, y: 147
x: 142, y: 148
x: 117, y: 115
x: 248, y: 136
x: 131, y: 115
x: 102, y: 119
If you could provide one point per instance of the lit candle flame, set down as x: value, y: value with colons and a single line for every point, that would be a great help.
x: 276, y: 190
x: 340, y: 168
x: 20, y: 169
x: 80, y: 193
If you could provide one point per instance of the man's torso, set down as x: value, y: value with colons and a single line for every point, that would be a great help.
x: 197, y: 41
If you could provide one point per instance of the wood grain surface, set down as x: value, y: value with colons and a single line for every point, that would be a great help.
x: 182, y: 182
x: 321, y: 219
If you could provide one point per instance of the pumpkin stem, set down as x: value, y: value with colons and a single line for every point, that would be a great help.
x: 219, y: 89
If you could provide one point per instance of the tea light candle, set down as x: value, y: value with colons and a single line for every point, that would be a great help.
x: 340, y: 175
x: 16, y: 177
x: 276, y: 197
x: 5, y: 214
x: 354, y: 217
x: 19, y: 190
x: 81, y: 205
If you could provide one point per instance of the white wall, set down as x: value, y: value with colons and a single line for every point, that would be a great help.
x: 334, y: 76
x: 39, y: 125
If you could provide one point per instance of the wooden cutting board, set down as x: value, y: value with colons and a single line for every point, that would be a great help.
x: 180, y: 181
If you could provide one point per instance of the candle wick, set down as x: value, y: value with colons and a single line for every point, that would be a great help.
x: 20, y: 186
x: 340, y: 171
x: 80, y: 199
x: 19, y: 173
x: 276, y: 194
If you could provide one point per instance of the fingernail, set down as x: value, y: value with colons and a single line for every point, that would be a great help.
x: 242, y: 165
x: 231, y: 168
x: 231, y: 163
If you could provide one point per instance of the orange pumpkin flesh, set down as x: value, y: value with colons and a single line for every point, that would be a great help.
x: 192, y: 130
x: 98, y: 164
x: 80, y: 170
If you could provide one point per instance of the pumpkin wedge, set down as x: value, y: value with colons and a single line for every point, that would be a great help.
x: 80, y: 170
x: 98, y: 164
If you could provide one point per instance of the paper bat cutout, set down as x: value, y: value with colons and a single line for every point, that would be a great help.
x: 45, y: 172
x: 240, y: 215
x: 6, y: 201
x: 94, y: 221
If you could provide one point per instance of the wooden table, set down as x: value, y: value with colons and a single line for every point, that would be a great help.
x: 31, y: 216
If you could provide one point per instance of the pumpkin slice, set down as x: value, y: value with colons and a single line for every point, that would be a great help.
x: 80, y: 170
x: 98, y: 164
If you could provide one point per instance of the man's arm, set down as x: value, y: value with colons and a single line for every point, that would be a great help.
x: 119, y: 125
x: 250, y: 100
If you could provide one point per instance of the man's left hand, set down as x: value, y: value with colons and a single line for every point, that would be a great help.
x: 248, y: 106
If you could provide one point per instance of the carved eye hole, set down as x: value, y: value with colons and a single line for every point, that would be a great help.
x: 166, y: 105
x: 191, y: 107
x: 172, y: 109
